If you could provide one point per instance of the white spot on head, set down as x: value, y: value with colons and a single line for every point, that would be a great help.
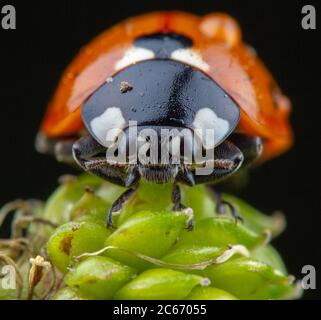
x: 191, y: 57
x: 132, y: 56
x: 206, y: 123
x: 108, y: 126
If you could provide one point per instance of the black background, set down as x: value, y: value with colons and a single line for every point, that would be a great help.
x: 50, y: 33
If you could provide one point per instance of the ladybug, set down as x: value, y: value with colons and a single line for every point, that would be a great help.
x: 167, y: 70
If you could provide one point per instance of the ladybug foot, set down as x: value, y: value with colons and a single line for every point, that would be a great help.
x: 118, y: 205
x: 222, y: 204
x: 221, y: 209
x: 178, y: 206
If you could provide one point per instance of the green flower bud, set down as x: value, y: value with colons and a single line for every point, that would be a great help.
x: 199, y: 258
x: 160, y: 284
x: 255, y: 220
x: 66, y: 294
x: 74, y: 239
x: 151, y: 234
x: 61, y: 202
x: 221, y: 232
x: 220, y: 259
x: 90, y: 208
x: 250, y: 279
x: 98, y: 277
x: 270, y: 256
x: 209, y: 293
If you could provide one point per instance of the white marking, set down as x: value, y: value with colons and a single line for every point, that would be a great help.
x: 206, y: 121
x: 191, y: 57
x: 132, y: 56
x: 108, y: 126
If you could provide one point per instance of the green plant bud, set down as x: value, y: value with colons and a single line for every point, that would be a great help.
x: 145, y: 200
x: 99, y: 277
x: 7, y: 294
x: 74, y: 239
x: 151, y: 234
x: 199, y: 199
x: 209, y: 293
x: 89, y: 180
x: 255, y: 220
x: 160, y: 284
x: 108, y: 191
x: 270, y: 256
x: 66, y: 294
x: 60, y: 204
x: 90, y: 208
x: 249, y: 279
x: 199, y: 258
x: 149, y: 240
x: 221, y: 232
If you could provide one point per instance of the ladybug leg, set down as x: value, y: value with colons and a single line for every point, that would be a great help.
x: 222, y: 204
x: 176, y: 199
x: 118, y: 205
x: 131, y: 181
x: 84, y: 149
x: 60, y: 148
x: 228, y: 160
x: 63, y: 151
x: 251, y: 148
x: 45, y: 145
x: 178, y: 206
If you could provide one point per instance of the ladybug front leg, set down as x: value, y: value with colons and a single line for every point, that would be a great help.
x: 178, y: 206
x: 118, y: 205
x: 83, y: 152
x: 86, y: 151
